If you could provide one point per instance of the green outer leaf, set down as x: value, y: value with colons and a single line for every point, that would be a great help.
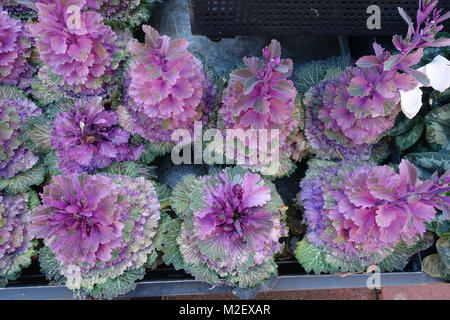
x: 314, y: 72
x: 33, y: 200
x: 314, y: 259
x: 254, y: 276
x: 310, y: 257
x: 341, y: 266
x: 407, y: 140
x: 22, y: 181
x: 159, y: 239
x: 119, y: 285
x: 37, y: 133
x: 181, y: 194
x: 153, y: 150
x: 203, y: 273
x: 171, y: 249
x: 131, y: 169
x: 44, y: 93
x: 398, y: 259
x: 51, y: 163
x: 164, y: 194
x: 50, y: 266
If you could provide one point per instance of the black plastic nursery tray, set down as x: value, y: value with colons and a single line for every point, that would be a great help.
x: 167, y: 281
x: 229, y: 18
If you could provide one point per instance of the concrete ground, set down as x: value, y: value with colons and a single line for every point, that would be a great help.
x: 436, y: 291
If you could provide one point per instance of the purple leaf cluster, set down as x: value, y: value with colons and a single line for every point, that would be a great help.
x: 358, y: 212
x: 234, y: 218
x: 88, y: 137
x: 231, y: 228
x: 109, y: 8
x: 15, y: 238
x: 80, y: 51
x: 97, y: 223
x: 14, y: 157
x: 167, y: 89
x: 355, y: 110
x: 260, y: 96
x: 15, y: 50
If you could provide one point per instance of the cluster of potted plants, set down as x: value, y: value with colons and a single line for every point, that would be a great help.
x: 85, y: 109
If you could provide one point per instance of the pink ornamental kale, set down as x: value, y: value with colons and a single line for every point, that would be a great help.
x: 231, y: 228
x: 346, y: 116
x: 360, y: 213
x: 14, y: 157
x: 98, y: 227
x: 167, y: 90
x: 88, y: 137
x: 260, y: 96
x: 15, y: 239
x: 81, y: 51
x: 15, y: 49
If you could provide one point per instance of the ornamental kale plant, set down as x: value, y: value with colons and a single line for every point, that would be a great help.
x: 81, y: 58
x: 259, y: 96
x: 358, y: 214
x: 15, y: 108
x: 15, y: 50
x: 228, y: 228
x: 167, y: 89
x: 16, y: 247
x: 99, y: 231
x: 346, y: 116
x: 88, y: 137
x: 124, y: 13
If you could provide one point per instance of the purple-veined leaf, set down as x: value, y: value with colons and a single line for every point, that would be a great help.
x: 275, y: 49
x: 443, y: 17
x: 241, y: 75
x: 261, y: 105
x: 151, y: 35
x: 359, y: 87
x: 368, y: 62
x: 413, y: 58
x: 393, y: 61
x: 420, y: 76
x: 441, y: 42
x: 177, y: 48
x: 406, y: 17
x: 284, y: 86
x: 378, y: 49
x: 398, y: 42
x: 251, y: 83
